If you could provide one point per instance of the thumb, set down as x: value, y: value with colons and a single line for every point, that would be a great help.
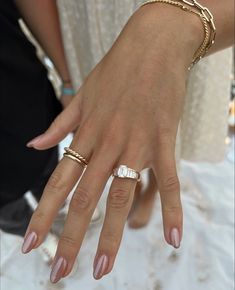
x: 63, y: 124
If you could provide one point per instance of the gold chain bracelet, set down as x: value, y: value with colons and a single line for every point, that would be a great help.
x: 206, y: 18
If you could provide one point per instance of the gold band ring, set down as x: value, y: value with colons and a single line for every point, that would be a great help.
x: 76, y: 154
x: 75, y: 159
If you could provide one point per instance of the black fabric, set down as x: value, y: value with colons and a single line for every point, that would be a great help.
x: 27, y: 107
x: 15, y: 215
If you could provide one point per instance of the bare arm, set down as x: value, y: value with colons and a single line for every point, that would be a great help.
x: 43, y: 21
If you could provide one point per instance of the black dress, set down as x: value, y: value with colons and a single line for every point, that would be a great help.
x: 27, y: 107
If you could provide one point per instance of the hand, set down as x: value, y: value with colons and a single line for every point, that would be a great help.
x: 128, y: 111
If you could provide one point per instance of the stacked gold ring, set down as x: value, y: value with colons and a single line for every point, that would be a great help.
x: 75, y: 156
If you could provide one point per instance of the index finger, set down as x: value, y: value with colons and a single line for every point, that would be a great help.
x: 56, y: 191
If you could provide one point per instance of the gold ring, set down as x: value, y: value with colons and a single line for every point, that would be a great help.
x: 75, y: 156
x: 75, y: 159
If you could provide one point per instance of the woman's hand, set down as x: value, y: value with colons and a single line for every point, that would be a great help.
x: 128, y: 111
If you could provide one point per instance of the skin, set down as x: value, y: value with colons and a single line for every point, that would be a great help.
x: 43, y: 20
x: 143, y: 203
x: 128, y: 111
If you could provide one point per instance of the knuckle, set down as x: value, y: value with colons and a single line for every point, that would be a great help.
x: 114, y: 130
x: 111, y: 239
x: 111, y: 138
x: 55, y: 182
x: 86, y: 126
x: 118, y: 198
x: 67, y: 241
x: 109, y: 143
x: 172, y: 208
x: 164, y: 135
x: 57, y: 125
x: 81, y: 200
x: 38, y: 215
x: 170, y: 184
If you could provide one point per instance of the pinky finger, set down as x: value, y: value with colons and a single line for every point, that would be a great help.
x: 169, y: 187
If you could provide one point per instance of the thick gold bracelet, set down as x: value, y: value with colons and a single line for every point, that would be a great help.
x: 206, y: 18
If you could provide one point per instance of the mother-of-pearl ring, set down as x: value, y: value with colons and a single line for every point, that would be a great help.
x: 122, y: 171
x: 75, y: 156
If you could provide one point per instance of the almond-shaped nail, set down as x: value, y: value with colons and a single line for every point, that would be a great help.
x: 58, y: 269
x: 100, y: 267
x: 29, y: 242
x: 34, y: 141
x: 175, y: 238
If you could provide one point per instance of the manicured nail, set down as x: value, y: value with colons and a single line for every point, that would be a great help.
x: 58, y: 269
x: 100, y: 267
x: 34, y: 141
x: 175, y: 238
x: 29, y: 242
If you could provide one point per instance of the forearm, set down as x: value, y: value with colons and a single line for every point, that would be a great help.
x: 43, y: 21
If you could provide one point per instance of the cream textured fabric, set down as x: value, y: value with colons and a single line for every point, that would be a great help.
x: 90, y: 28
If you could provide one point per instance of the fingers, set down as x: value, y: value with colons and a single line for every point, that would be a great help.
x: 144, y: 202
x: 63, y: 124
x: 56, y: 191
x: 81, y: 208
x: 169, y: 187
x: 59, y: 185
x: 119, y: 202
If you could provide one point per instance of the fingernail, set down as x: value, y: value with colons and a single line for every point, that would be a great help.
x: 58, y: 269
x: 34, y: 141
x: 29, y: 242
x: 175, y: 238
x: 100, y: 267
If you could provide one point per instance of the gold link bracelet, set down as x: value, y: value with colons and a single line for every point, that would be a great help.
x: 206, y: 18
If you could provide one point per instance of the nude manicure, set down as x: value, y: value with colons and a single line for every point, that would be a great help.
x: 58, y: 269
x: 100, y: 267
x: 175, y: 238
x: 29, y: 242
x: 34, y: 141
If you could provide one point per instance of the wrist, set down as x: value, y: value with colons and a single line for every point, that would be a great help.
x: 181, y: 30
x: 67, y: 88
x: 66, y: 82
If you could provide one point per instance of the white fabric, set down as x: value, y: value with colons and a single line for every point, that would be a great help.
x: 145, y: 261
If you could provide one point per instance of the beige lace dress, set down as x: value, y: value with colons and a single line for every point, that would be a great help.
x: 89, y: 29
